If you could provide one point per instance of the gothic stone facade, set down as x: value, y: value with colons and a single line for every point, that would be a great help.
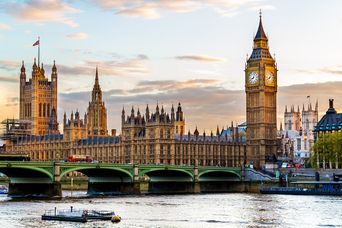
x: 261, y: 101
x: 38, y: 100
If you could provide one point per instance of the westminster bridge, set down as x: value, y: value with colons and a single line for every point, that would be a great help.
x: 44, y: 178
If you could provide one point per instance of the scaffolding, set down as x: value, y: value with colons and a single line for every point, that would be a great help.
x: 11, y: 129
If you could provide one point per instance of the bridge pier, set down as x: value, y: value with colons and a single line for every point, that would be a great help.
x: 197, y: 186
x: 39, y: 190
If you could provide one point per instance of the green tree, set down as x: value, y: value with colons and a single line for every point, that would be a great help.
x: 328, y: 150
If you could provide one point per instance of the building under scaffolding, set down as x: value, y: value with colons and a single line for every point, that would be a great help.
x: 11, y: 129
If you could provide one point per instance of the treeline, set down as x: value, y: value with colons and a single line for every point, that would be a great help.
x: 328, y: 151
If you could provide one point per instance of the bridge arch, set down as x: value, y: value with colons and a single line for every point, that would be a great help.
x: 210, y: 173
x: 169, y: 171
x: 26, y: 171
x: 89, y: 171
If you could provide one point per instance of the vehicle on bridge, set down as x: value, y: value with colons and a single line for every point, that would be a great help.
x: 80, y: 158
x: 14, y: 157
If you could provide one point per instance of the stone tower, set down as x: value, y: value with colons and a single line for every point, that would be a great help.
x: 309, y: 117
x: 261, y: 101
x: 97, y: 112
x: 292, y: 119
x: 38, y: 100
x: 179, y: 121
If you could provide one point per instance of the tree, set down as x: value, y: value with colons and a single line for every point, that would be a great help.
x: 328, y: 150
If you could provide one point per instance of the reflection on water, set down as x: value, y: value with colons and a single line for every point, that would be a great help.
x: 203, y: 210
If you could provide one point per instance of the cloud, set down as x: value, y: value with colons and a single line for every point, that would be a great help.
x: 202, y: 58
x: 9, y: 65
x: 335, y: 70
x: 205, y: 102
x: 118, y: 67
x: 152, y: 9
x: 8, y: 79
x: 77, y: 36
x: 41, y: 11
x: 4, y: 26
x: 12, y: 101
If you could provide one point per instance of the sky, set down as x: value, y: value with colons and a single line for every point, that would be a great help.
x: 170, y: 51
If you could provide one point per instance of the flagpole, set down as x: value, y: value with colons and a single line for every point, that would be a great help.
x: 38, y: 51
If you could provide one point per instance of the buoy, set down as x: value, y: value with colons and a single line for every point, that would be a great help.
x: 116, y: 219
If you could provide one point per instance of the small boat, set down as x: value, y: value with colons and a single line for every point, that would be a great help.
x: 333, y: 188
x: 100, y: 215
x: 80, y: 215
x: 3, y: 190
x: 66, y: 215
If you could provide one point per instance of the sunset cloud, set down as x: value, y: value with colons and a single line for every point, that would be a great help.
x: 77, y: 36
x: 201, y: 58
x: 153, y: 9
x: 117, y: 67
x: 9, y: 79
x: 41, y: 11
x: 9, y: 65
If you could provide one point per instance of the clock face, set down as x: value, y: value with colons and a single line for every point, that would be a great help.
x: 253, y: 77
x: 269, y: 78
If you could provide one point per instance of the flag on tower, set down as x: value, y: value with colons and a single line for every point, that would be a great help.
x: 36, y: 43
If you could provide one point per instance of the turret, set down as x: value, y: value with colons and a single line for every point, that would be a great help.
x: 54, y: 72
x: 34, y: 70
x: 97, y: 93
x: 22, y: 73
x: 64, y: 119
x: 196, y: 133
x: 42, y: 71
x: 147, y: 113
x: 123, y: 115
x: 172, y: 114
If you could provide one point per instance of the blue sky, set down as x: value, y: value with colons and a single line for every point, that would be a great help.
x: 169, y: 51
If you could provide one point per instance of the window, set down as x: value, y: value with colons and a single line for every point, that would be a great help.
x: 298, y: 144
x: 40, y: 109
x: 44, y: 109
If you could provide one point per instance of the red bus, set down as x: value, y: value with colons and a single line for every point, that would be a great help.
x: 80, y: 158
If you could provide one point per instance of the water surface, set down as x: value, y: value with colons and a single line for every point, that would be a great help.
x: 202, y: 210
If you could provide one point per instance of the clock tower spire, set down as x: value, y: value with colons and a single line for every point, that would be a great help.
x: 261, y: 101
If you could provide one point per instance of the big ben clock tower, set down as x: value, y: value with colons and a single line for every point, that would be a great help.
x: 261, y: 101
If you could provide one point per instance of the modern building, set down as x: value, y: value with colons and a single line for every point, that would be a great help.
x: 159, y: 136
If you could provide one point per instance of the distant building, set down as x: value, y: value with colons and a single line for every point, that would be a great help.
x: 38, y: 100
x: 97, y: 112
x: 298, y: 134
x: 331, y: 121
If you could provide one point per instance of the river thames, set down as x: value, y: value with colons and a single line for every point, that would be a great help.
x: 202, y: 210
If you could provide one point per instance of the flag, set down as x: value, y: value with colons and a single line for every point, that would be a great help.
x: 36, y: 43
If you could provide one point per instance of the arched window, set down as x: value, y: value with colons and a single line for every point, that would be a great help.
x: 307, y: 124
x: 40, y: 109
x: 48, y: 110
x: 44, y: 110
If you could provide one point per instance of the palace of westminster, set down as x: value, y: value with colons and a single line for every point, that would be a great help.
x: 153, y: 137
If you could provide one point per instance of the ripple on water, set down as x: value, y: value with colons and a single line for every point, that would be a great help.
x: 203, y: 210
